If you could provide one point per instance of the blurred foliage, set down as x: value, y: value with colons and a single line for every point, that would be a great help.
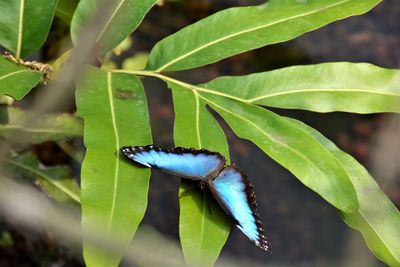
x: 51, y: 127
x: 56, y: 181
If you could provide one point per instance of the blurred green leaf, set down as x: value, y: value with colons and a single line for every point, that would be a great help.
x: 50, y: 127
x: 202, y: 233
x: 124, y: 17
x: 25, y: 24
x: 73, y: 152
x: 65, y: 10
x: 56, y: 181
x: 6, y: 239
x: 291, y: 147
x: 16, y: 80
x: 137, y: 62
x: 123, y: 46
x: 58, y: 64
x: 109, y: 65
x: 377, y: 218
x: 340, y: 86
x: 114, y: 191
x: 237, y: 30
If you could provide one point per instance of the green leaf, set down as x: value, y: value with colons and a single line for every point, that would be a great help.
x: 25, y: 24
x: 124, y: 46
x: 114, y: 191
x: 60, y: 62
x: 65, y: 10
x: 50, y: 127
x: 291, y: 147
x: 340, y: 86
x: 377, y: 218
x: 6, y: 239
x: 56, y: 181
x: 237, y: 30
x: 123, y: 17
x: 15, y: 80
x: 202, y: 233
x: 137, y: 62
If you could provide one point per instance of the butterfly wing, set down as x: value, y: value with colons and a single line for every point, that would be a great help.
x: 186, y: 163
x: 234, y: 193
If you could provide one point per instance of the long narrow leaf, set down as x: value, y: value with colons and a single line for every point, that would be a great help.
x: 328, y: 87
x: 25, y: 24
x: 123, y: 18
x: 114, y: 191
x: 377, y: 218
x: 237, y: 30
x: 202, y: 233
x: 291, y: 147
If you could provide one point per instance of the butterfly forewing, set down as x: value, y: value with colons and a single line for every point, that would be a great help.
x: 234, y: 193
x: 182, y: 162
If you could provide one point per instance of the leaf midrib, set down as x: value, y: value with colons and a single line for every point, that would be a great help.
x: 336, y: 90
x: 244, y: 32
x: 31, y: 130
x: 196, y: 96
x: 109, y: 21
x: 20, y: 28
x: 13, y: 73
x: 117, y: 144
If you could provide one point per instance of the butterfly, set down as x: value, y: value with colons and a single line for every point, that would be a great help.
x: 230, y: 187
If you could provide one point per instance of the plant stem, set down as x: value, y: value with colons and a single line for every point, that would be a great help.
x: 180, y: 83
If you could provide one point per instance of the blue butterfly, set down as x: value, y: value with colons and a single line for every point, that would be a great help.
x: 229, y: 186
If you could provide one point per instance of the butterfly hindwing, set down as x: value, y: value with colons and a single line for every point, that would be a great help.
x: 182, y: 162
x: 234, y: 193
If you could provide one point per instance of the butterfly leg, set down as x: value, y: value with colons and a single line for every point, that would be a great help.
x: 209, y: 200
x: 209, y: 207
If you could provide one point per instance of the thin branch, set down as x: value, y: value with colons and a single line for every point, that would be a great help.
x: 180, y: 83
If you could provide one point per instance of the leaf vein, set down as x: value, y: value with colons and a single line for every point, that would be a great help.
x: 117, y: 143
x: 32, y: 130
x: 20, y: 28
x: 12, y: 73
x: 109, y: 20
x: 321, y: 90
x: 196, y: 96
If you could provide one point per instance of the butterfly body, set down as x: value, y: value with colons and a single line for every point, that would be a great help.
x: 229, y: 186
